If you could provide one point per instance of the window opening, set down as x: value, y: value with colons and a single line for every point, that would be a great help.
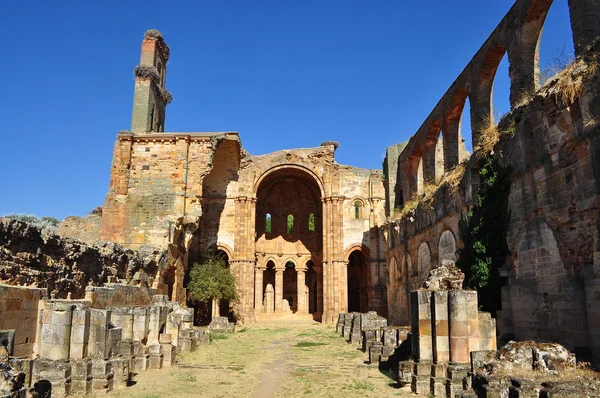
x: 311, y: 222
x: 268, y: 223
x: 290, y: 224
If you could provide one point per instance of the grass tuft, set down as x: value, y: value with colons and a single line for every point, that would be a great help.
x: 308, y: 344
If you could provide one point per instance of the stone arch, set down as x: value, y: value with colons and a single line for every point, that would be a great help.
x: 433, y: 154
x: 482, y: 109
x: 538, y: 254
x: 358, y: 281
x: 424, y: 261
x: 357, y: 246
x: 225, y: 248
x: 290, y: 260
x: 358, y: 208
x: 393, y: 292
x: 454, y: 150
x: 290, y: 169
x: 447, y: 246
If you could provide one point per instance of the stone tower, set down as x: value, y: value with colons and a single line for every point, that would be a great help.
x: 150, y: 96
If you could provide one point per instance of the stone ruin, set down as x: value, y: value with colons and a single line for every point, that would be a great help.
x: 76, y: 346
x: 449, y: 349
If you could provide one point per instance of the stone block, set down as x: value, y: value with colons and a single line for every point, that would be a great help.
x: 126, y: 348
x: 439, y: 370
x: 101, y: 368
x: 121, y: 375
x: 81, y: 386
x: 165, y: 338
x: 155, y: 361
x: 113, y: 344
x: 168, y: 351
x: 81, y: 368
x: 437, y: 386
x: 420, y: 384
x: 141, y: 362
x: 375, y: 350
x: 51, y: 370
x: 422, y: 368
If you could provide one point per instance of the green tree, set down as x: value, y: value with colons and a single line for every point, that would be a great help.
x: 484, y: 234
x: 211, y: 280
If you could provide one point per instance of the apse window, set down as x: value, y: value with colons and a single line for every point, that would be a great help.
x: 311, y: 222
x: 357, y: 209
x: 268, y: 223
x: 290, y: 224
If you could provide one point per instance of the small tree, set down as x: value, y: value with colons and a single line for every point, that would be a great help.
x: 211, y: 280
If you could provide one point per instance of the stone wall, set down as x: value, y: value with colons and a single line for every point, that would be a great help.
x: 550, y: 143
x: 63, y: 266
x: 20, y: 311
x: 85, y: 228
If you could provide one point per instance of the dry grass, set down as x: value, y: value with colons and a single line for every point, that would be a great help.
x: 297, y: 360
x: 453, y: 177
x: 425, y: 199
x: 567, y: 84
x: 489, y: 134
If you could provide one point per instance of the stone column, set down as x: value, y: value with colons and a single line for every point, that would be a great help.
x: 258, y: 289
x: 269, y: 299
x: 56, y: 330
x: 464, y: 328
x: 278, y: 290
x: 300, y: 290
x: 422, y: 339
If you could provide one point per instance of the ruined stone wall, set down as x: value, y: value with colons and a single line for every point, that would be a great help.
x: 549, y: 142
x: 155, y: 179
x: 30, y: 256
x: 85, y: 228
x: 19, y: 311
x: 554, y: 234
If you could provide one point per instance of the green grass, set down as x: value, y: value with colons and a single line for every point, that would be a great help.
x: 309, y: 344
x: 218, y: 336
x: 359, y: 385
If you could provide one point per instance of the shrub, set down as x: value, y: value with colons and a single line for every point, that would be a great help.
x: 211, y: 280
x: 46, y: 222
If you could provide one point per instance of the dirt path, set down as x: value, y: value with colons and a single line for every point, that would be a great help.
x: 274, y: 372
x: 262, y: 361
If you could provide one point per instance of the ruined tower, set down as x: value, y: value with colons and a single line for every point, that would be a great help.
x: 150, y: 96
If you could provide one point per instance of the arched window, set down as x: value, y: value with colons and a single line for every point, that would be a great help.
x: 268, y: 223
x: 311, y: 222
x: 290, y: 224
x: 356, y: 210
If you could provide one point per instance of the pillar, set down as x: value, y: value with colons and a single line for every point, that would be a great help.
x: 584, y: 23
x: 451, y: 138
x: 464, y: 324
x: 56, y: 330
x: 278, y: 290
x: 300, y: 290
x: 258, y: 291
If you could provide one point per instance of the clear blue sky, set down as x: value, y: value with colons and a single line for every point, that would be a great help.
x: 283, y: 73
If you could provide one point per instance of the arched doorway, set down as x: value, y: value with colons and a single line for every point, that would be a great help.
x: 311, y: 283
x: 290, y: 287
x: 358, y: 282
x: 268, y: 279
x: 289, y: 226
x: 224, y: 305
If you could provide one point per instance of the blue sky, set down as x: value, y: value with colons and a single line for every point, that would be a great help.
x: 283, y: 73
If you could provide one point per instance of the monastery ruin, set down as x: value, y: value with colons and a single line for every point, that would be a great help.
x: 308, y: 238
